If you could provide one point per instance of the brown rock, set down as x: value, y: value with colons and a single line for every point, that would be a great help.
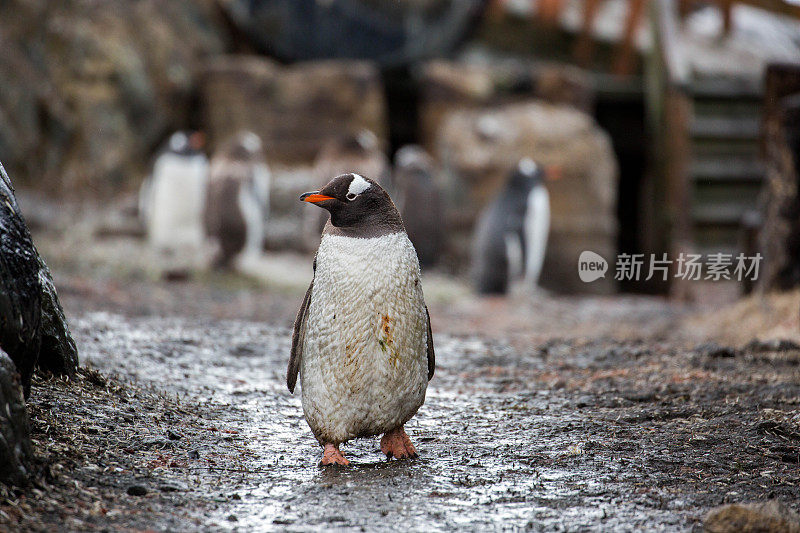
x: 449, y: 86
x: 479, y: 148
x: 296, y: 109
x: 89, y: 88
x: 765, y: 517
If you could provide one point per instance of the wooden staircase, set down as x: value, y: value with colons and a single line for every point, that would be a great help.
x: 725, y: 170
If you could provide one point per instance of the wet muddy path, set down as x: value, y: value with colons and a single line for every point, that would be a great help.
x: 187, y: 425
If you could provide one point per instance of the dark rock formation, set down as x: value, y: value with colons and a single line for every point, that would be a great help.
x: 32, y: 324
x: 58, y: 353
x: 20, y: 287
x: 16, y: 451
x: 392, y: 32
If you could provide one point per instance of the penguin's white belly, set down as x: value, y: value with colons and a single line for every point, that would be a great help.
x: 178, y: 196
x: 364, y: 369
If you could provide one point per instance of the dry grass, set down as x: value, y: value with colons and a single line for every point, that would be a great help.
x: 760, y: 316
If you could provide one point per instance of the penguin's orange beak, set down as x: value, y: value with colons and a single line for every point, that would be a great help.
x: 314, y: 197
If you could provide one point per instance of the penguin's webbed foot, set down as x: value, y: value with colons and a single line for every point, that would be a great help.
x: 332, y: 456
x: 395, y: 443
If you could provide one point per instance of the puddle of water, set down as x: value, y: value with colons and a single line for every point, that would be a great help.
x: 488, y: 459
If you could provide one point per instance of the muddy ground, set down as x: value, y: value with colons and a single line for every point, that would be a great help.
x: 549, y: 414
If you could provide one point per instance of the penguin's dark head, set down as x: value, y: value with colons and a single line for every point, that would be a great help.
x: 186, y: 142
x: 356, y: 202
x: 412, y: 160
x: 525, y: 176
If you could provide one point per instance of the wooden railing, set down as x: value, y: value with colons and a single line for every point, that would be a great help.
x: 549, y: 12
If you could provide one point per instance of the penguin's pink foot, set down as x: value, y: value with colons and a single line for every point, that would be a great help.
x: 395, y: 443
x: 332, y: 456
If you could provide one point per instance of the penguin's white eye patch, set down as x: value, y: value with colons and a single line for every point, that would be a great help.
x: 527, y: 166
x: 351, y: 196
x: 357, y: 186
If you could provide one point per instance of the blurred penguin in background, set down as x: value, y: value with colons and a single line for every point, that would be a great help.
x: 511, y: 234
x: 419, y: 202
x: 237, y: 204
x: 171, y: 200
x: 360, y: 153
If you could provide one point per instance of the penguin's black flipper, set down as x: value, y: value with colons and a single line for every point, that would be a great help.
x: 298, y: 335
x: 431, y: 354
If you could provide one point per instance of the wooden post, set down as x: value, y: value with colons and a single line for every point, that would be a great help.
x: 779, y: 237
x: 675, y: 115
x: 550, y: 10
x: 584, y: 47
x: 626, y: 51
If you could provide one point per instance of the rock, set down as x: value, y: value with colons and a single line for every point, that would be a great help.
x: 137, y: 490
x: 772, y: 345
x: 58, y: 353
x: 94, y: 86
x: 296, y: 109
x: 36, y: 330
x: 447, y: 86
x: 173, y: 486
x: 389, y: 31
x: 712, y: 349
x: 20, y: 286
x: 479, y: 147
x: 764, y: 517
x: 16, y: 451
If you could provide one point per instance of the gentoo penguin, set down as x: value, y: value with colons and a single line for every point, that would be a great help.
x: 237, y: 203
x: 511, y: 233
x: 362, y: 340
x: 360, y: 153
x: 419, y: 202
x: 171, y: 200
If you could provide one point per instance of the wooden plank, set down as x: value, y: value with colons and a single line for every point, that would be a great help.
x: 727, y: 169
x: 776, y: 6
x: 668, y: 42
x: 736, y: 128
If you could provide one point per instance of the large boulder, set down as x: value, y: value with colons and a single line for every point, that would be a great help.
x: 16, y: 451
x: 90, y: 88
x: 392, y: 32
x: 20, y: 286
x: 448, y: 86
x: 33, y: 329
x: 478, y: 148
x: 294, y: 109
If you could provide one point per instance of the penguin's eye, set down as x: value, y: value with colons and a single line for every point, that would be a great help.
x: 351, y: 196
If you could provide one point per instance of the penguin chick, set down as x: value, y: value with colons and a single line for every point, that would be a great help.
x: 171, y: 200
x: 511, y: 233
x: 237, y: 205
x: 419, y: 202
x: 362, y: 340
x: 360, y: 153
